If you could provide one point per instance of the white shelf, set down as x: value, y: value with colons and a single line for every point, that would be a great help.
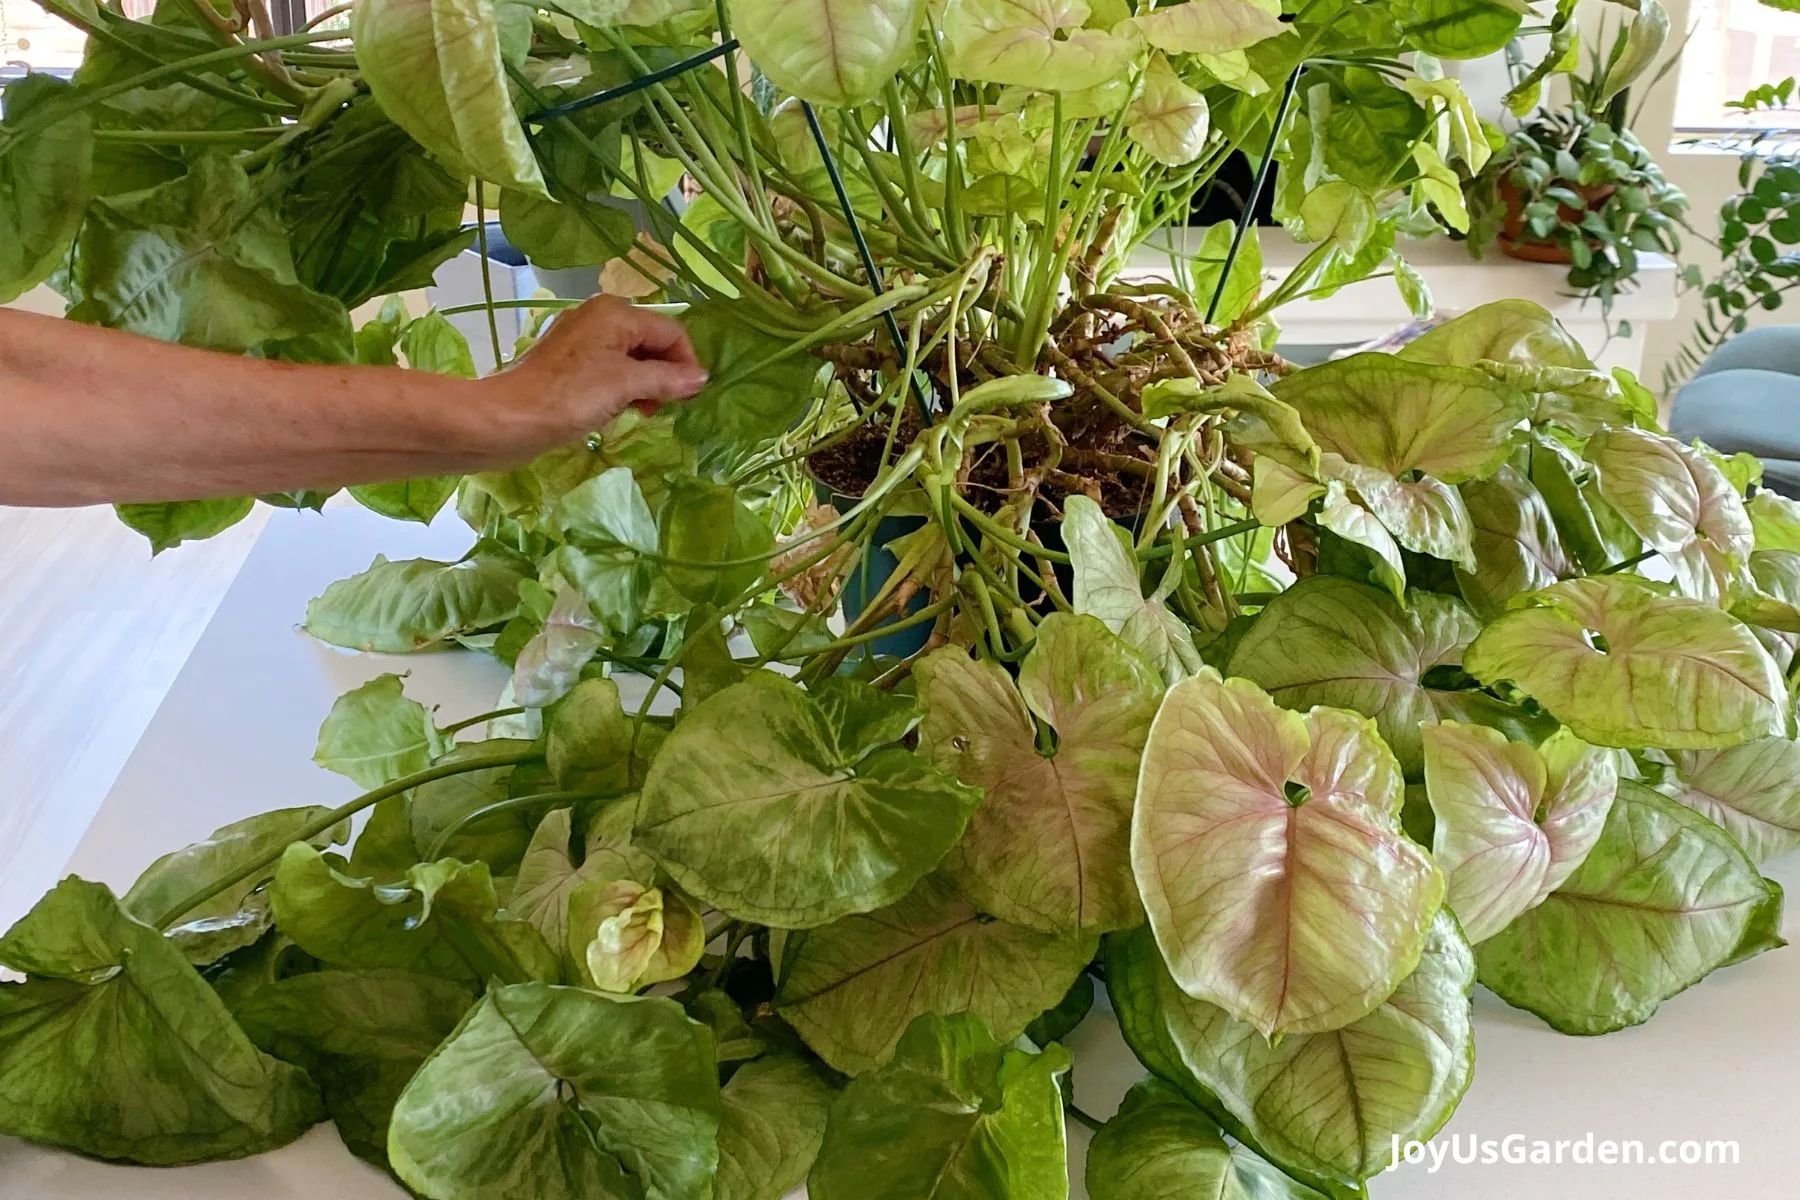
x: 1372, y: 308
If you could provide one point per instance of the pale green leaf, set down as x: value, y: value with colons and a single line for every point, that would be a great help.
x: 399, y: 607
x: 830, y: 52
x: 199, y: 261
x: 761, y: 807
x: 773, y: 1124
x: 1050, y: 845
x: 1336, y: 642
x: 1279, y: 494
x: 375, y: 734
x: 1033, y: 43
x: 1252, y: 824
x: 552, y: 1093
x: 1668, y: 493
x: 1106, y: 586
x: 1255, y: 420
x: 1210, y: 26
x: 1622, y: 665
x: 1327, y: 1106
x: 593, y: 745
x: 851, y: 988
x: 1159, y: 1146
x: 435, y: 67
x: 1355, y: 524
x: 230, y: 920
x: 1751, y: 791
x: 1425, y: 515
x: 169, y: 525
x: 1511, y: 823
x: 1170, y: 120
x: 1399, y: 415
x: 1644, y: 39
x: 550, y: 665
x: 1515, y: 540
x: 1340, y: 212
x: 1775, y: 521
x: 441, y: 921
x: 1663, y: 898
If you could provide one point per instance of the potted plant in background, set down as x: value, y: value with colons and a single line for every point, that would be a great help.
x: 1572, y: 184
x: 684, y: 925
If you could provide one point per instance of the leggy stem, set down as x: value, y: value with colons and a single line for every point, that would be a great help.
x: 475, y: 762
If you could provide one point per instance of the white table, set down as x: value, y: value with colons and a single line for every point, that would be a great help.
x: 235, y: 737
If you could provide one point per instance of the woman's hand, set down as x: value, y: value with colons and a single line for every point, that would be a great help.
x: 592, y: 364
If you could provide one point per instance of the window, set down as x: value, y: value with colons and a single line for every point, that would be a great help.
x: 1736, y: 45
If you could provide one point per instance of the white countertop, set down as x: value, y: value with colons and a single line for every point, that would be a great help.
x: 235, y: 736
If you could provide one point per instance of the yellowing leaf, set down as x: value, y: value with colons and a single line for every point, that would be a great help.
x: 1210, y: 26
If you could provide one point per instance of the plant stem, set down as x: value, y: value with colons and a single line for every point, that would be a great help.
x: 487, y: 274
x: 1093, y: 1123
x: 1248, y: 216
x: 862, y: 246
x: 406, y: 783
x: 1620, y: 568
x: 499, y: 806
x: 471, y: 722
x: 35, y: 125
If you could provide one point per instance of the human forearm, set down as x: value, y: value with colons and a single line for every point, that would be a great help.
x: 93, y: 416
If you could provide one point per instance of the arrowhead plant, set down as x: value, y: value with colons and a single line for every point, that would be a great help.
x: 1005, y: 620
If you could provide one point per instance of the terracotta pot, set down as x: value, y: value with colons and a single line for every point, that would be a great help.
x: 1517, y: 240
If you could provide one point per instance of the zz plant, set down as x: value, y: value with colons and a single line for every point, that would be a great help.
x: 1280, y: 705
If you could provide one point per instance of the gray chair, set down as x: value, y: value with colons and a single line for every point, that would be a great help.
x: 1747, y: 397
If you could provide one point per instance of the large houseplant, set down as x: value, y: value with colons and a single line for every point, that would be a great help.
x: 1282, y: 704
